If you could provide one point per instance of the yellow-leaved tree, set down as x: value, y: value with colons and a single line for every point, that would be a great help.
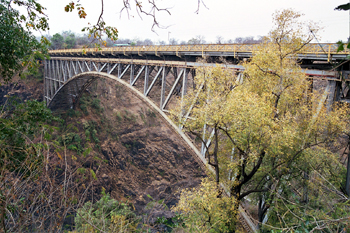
x: 271, y: 136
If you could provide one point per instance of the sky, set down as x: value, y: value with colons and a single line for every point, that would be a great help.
x: 226, y: 18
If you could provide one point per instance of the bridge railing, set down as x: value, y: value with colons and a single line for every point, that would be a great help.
x: 324, y: 48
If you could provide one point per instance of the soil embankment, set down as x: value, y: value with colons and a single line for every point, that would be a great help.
x: 135, y: 155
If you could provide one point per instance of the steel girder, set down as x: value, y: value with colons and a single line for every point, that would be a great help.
x: 168, y: 80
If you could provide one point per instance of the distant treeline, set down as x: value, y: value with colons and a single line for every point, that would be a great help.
x: 69, y: 40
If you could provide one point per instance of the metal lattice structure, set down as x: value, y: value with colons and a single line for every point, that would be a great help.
x: 59, y: 72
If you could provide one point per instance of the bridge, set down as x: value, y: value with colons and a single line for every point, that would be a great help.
x: 310, y: 56
x: 159, y: 74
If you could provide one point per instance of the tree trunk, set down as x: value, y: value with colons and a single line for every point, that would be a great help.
x: 347, y: 183
x: 3, y: 215
x: 263, y: 207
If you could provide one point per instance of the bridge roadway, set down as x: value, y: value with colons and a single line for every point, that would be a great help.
x: 156, y: 81
x: 232, y: 52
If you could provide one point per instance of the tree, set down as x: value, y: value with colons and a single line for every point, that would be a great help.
x: 19, y: 48
x: 248, y: 40
x: 197, y: 40
x: 203, y: 211
x: 70, y: 41
x: 173, y: 41
x: 148, y: 42
x: 100, y: 28
x: 219, y: 40
x: 57, y: 41
x: 344, y: 7
x: 268, y: 138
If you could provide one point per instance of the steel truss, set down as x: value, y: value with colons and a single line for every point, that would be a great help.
x: 171, y: 80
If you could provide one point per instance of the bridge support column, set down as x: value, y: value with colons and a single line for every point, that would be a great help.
x: 334, y: 93
x: 119, y: 70
x: 132, y: 71
x: 145, y: 87
x: 45, y: 81
x: 108, y: 68
x: 162, y: 91
x: 48, y: 83
x: 203, y: 148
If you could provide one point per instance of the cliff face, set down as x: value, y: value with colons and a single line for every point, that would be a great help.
x: 133, y: 153
x: 145, y: 157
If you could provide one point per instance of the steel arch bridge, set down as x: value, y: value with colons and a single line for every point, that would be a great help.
x: 156, y: 82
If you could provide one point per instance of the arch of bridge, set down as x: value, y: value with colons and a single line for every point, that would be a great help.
x: 70, y: 92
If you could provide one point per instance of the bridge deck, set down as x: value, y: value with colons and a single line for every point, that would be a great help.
x: 320, y: 52
x: 330, y: 75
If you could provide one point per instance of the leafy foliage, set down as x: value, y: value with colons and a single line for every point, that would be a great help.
x: 271, y: 135
x: 19, y: 48
x: 106, y: 214
x: 19, y: 124
x: 204, y: 209
x: 344, y: 7
x: 57, y: 41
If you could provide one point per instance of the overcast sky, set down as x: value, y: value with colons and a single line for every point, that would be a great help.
x: 226, y: 18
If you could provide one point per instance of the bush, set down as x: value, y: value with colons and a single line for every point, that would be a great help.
x: 205, y: 209
x: 106, y: 215
x: 96, y: 104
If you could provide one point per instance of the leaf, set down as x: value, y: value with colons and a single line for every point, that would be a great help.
x: 340, y: 46
x: 59, y: 155
x: 343, y: 7
x: 93, y: 174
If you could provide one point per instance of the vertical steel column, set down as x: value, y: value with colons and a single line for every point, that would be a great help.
x: 59, y: 71
x: 162, y: 94
x: 184, y: 92
x: 64, y: 71
x: 184, y: 83
x: 70, y: 68
x: 108, y: 67
x: 77, y: 64
x: 50, y: 83
x: 203, y: 148
x: 119, y: 70
x: 145, y: 87
x: 45, y: 76
x: 132, y: 71
x: 55, y: 70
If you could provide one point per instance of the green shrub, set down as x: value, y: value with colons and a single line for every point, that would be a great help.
x: 90, y: 130
x: 81, y: 170
x: 106, y: 214
x: 119, y: 117
x: 96, y: 104
x: 72, y: 141
x: 83, y: 107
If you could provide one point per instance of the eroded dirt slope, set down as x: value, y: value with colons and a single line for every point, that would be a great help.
x: 135, y: 154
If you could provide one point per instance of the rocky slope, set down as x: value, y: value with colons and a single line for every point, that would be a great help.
x: 133, y: 153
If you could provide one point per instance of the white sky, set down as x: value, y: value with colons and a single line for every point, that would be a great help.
x: 226, y: 18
